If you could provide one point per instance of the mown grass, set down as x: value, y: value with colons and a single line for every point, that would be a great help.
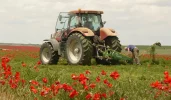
x: 133, y: 83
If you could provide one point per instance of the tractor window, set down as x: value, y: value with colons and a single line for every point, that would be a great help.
x: 62, y: 22
x: 74, y: 21
x: 91, y: 21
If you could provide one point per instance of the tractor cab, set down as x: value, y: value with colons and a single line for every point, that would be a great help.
x: 79, y: 18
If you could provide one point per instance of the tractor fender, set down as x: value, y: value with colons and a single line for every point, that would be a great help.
x: 105, y: 32
x: 55, y: 44
x: 85, y: 31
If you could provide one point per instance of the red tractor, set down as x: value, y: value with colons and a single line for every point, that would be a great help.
x: 79, y: 36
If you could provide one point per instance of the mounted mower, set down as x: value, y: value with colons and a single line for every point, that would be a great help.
x: 80, y: 36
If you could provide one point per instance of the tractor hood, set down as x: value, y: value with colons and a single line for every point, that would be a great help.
x: 105, y: 32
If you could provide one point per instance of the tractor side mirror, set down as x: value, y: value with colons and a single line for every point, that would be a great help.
x: 60, y: 17
x: 104, y: 22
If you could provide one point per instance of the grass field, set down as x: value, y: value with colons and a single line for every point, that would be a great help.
x: 130, y: 82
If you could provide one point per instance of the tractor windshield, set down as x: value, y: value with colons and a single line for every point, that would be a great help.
x: 91, y: 21
x: 62, y: 21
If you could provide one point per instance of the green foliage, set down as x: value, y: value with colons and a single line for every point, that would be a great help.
x: 152, y: 51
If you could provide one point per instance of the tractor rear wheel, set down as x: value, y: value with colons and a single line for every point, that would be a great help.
x: 48, y: 55
x: 113, y: 43
x: 78, y: 49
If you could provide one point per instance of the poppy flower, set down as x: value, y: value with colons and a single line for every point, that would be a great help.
x: 96, y: 96
x: 73, y: 94
x: 33, y: 89
x: 98, y: 79
x: 44, y: 80
x: 39, y: 62
x: 33, y: 82
x: 104, y: 95
x: 86, y: 87
x: 82, y: 77
x: 2, y: 82
x: 88, y: 72
x: 92, y: 85
x: 103, y: 72
x: 23, y: 64
x: 106, y: 81
x: 74, y: 77
x: 111, y: 93
x: 115, y: 75
x: 88, y: 96
x: 67, y: 87
x: 109, y: 85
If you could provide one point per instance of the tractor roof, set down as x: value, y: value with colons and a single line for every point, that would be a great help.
x: 86, y: 11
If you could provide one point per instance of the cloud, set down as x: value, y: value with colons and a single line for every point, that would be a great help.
x: 31, y: 21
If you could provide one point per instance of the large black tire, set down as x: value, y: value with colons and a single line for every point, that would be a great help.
x: 47, y: 54
x: 78, y: 49
x: 113, y: 43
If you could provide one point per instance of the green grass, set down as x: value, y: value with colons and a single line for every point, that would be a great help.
x: 133, y: 83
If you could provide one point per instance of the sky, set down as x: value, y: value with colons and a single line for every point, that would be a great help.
x: 138, y: 22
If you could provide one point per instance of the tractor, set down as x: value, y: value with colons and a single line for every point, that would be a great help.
x: 79, y: 36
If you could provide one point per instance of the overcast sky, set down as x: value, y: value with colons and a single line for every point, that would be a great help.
x: 140, y: 22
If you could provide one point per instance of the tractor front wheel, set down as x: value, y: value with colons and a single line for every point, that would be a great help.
x: 78, y: 49
x: 48, y: 55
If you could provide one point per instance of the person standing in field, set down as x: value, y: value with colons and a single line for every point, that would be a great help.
x: 135, y: 53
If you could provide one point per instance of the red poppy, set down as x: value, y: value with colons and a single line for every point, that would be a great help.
x: 2, y: 82
x: 35, y: 67
x: 73, y: 94
x: 23, y: 82
x: 57, y: 82
x: 74, y: 77
x: 96, y: 96
x: 39, y: 62
x: 106, y: 81
x: 82, y: 77
x: 122, y: 98
x: 83, y: 82
x: 104, y: 95
x: 88, y: 96
x: 109, y: 85
x: 86, y: 87
x: 166, y: 73
x: 74, y: 83
x: 88, y: 72
x: 115, y: 75
x: 13, y: 85
x: 111, y: 93
x: 98, y: 79
x: 156, y: 84
x: 35, y: 99
x: 17, y: 76
x: 7, y: 72
x: 33, y: 89
x: 92, y: 85
x: 34, y: 82
x: 45, y: 91
x: 103, y: 72
x: 23, y: 64
x: 45, y: 80
x: 67, y: 87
